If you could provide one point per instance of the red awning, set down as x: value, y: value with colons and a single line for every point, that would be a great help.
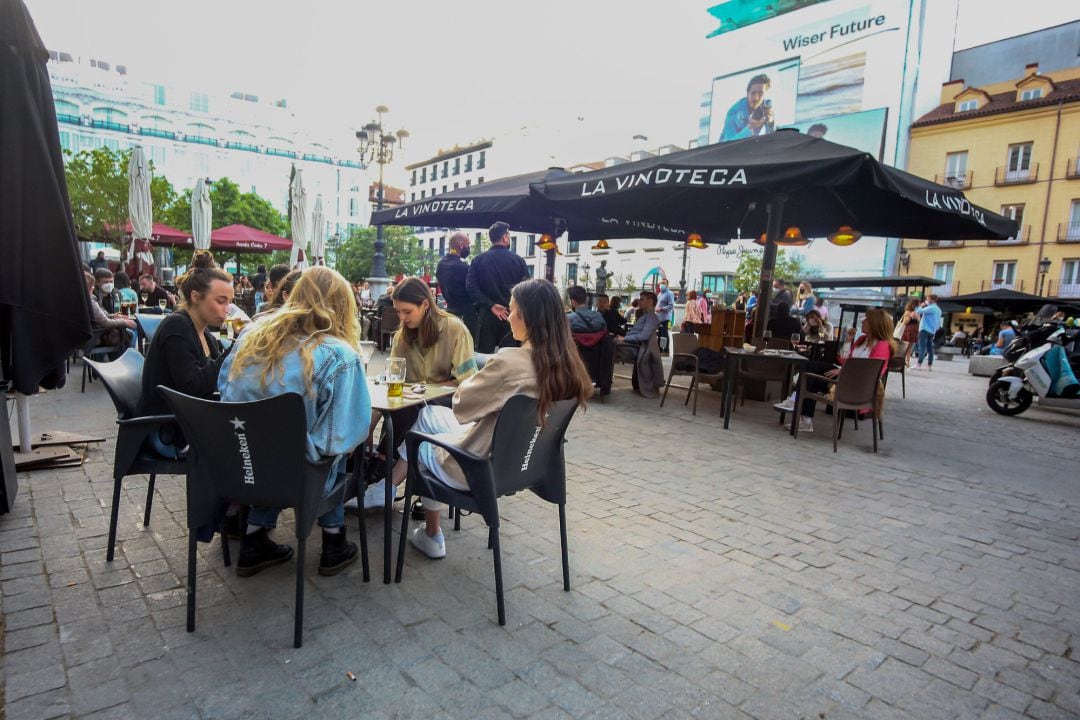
x: 165, y: 235
x: 242, y: 238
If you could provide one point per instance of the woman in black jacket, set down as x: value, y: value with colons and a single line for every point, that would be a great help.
x: 185, y: 355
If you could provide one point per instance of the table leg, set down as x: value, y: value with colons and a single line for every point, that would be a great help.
x: 798, y: 407
x: 22, y: 411
x: 729, y: 387
x: 388, y: 428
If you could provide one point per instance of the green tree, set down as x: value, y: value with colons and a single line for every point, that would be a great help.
x: 230, y: 206
x: 97, y: 183
x: 789, y: 266
x: 404, y: 255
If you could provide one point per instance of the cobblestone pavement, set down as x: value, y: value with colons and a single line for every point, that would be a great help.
x: 716, y: 574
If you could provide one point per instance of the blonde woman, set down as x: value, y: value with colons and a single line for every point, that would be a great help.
x: 876, y: 341
x: 806, y: 300
x: 308, y: 346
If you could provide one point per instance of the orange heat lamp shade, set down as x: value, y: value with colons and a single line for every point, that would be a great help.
x: 845, y: 235
x: 547, y: 243
x: 792, y: 237
x: 601, y: 245
x: 694, y: 241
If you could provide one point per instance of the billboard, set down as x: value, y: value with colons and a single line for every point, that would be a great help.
x: 844, y: 58
x: 861, y: 130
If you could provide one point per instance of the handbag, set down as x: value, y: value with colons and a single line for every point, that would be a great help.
x: 898, y: 331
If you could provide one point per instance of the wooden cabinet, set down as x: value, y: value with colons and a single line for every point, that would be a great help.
x: 726, y: 330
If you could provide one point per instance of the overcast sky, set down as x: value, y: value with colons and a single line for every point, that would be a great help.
x: 592, y: 73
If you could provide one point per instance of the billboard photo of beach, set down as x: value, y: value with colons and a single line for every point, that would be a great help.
x: 861, y: 130
x: 831, y: 87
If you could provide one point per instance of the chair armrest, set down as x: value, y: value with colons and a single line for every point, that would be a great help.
x: 415, y: 438
x: 147, y: 420
x: 820, y: 377
x: 688, y: 356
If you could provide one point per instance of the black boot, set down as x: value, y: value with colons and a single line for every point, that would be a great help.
x: 337, y: 553
x: 258, y: 552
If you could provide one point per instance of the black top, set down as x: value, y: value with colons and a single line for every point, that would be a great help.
x: 616, y: 323
x: 110, y: 302
x: 782, y: 298
x: 258, y: 281
x: 176, y: 360
x: 452, y: 274
x: 493, y: 274
x: 155, y: 296
x: 784, y: 327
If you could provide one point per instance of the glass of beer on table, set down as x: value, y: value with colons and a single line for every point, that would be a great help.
x: 395, y: 376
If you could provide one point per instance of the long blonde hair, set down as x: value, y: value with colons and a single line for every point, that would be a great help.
x: 320, y: 305
x: 879, y: 327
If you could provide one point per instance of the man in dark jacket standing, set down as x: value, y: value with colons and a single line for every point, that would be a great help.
x: 453, y: 273
x: 491, y: 277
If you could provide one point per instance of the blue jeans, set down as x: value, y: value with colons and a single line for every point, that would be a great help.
x: 926, y: 347
x: 332, y: 518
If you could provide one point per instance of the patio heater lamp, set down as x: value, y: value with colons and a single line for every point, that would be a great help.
x: 377, y: 145
x: 693, y: 240
x: 1044, y: 268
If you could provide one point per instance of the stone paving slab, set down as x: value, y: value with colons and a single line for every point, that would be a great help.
x: 716, y: 574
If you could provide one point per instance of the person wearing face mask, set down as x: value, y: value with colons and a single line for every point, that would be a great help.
x: 105, y: 290
x: 452, y: 275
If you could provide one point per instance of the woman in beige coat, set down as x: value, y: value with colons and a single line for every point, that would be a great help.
x: 546, y: 367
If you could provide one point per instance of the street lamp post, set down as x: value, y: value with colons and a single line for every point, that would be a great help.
x: 1044, y: 268
x: 682, y: 279
x: 377, y: 145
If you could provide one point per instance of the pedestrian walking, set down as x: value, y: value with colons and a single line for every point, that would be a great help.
x: 929, y: 323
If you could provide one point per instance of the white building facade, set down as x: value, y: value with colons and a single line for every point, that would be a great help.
x: 190, y: 134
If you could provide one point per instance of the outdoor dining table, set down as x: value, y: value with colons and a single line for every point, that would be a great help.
x: 387, y: 405
x: 793, y: 361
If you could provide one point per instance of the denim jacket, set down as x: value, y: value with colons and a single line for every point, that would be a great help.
x: 338, y: 407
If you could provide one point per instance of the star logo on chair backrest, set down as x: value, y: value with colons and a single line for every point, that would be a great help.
x: 237, y: 424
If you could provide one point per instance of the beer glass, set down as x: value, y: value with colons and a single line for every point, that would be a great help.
x: 395, y: 376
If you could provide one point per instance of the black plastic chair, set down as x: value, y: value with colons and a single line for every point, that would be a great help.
x: 523, y: 457
x: 253, y: 453
x: 148, y: 325
x: 91, y: 350
x: 134, y: 455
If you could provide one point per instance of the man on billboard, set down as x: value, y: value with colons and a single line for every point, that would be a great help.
x: 751, y: 115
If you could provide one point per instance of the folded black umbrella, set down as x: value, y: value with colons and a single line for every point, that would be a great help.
x: 723, y: 189
x: 44, y: 310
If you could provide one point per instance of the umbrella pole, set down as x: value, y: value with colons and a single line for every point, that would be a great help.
x: 549, y: 266
x: 775, y: 210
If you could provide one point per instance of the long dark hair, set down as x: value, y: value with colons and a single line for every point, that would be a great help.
x: 560, y: 373
x: 415, y: 291
x: 285, y: 287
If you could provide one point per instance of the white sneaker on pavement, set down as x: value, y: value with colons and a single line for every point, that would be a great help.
x: 433, y: 547
x: 805, y: 424
x: 374, y: 496
x: 787, y: 405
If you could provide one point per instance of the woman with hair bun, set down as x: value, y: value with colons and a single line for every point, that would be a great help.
x: 185, y: 355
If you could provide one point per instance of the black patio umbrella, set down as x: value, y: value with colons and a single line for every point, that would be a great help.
x: 1000, y: 299
x: 513, y: 201
x: 764, y: 184
x: 44, y: 310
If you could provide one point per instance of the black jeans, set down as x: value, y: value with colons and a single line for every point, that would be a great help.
x: 403, y: 420
x: 815, y: 385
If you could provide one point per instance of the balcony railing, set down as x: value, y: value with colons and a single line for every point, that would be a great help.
x: 64, y: 118
x: 281, y: 153
x: 242, y: 146
x: 994, y: 284
x: 109, y: 125
x: 1068, y: 232
x: 946, y: 290
x: 1072, y: 168
x: 1067, y: 290
x: 960, y: 182
x: 154, y: 132
x: 1005, y: 176
x: 198, y: 140
x: 1020, y: 239
x: 944, y: 243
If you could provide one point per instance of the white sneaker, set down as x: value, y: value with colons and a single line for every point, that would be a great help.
x: 787, y: 405
x: 805, y: 424
x: 433, y: 547
x: 375, y: 495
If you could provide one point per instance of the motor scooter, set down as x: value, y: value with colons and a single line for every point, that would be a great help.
x: 1043, y: 372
